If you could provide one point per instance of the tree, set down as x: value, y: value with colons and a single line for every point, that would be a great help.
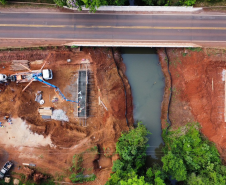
x: 3, y: 2
x: 154, y: 2
x: 131, y: 147
x: 135, y: 181
x: 192, y: 158
x: 175, y: 166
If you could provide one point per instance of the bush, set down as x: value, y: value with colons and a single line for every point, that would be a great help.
x: 3, y: 2
x: 188, y: 2
x: 190, y: 157
x: 60, y: 3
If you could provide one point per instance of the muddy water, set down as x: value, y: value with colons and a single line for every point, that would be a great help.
x: 147, y: 84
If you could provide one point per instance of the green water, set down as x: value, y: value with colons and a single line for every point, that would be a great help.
x: 147, y: 83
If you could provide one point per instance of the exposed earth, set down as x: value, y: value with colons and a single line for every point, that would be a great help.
x: 198, y: 86
x: 198, y: 91
x: 51, y: 144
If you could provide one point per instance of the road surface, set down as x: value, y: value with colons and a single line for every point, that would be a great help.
x: 119, y: 29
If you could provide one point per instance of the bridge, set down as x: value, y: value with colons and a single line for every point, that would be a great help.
x: 113, y: 29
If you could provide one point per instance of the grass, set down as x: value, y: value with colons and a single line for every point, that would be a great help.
x: 77, y: 169
x: 175, y: 63
x: 59, y: 177
x: 195, y: 49
x: 184, y: 54
x: 74, y: 46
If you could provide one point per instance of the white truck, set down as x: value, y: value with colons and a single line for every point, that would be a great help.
x: 47, y: 74
x: 5, y: 169
x: 3, y: 78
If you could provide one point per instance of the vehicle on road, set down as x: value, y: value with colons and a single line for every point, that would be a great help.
x: 5, y: 169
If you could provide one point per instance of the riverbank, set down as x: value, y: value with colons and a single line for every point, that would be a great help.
x: 198, y: 91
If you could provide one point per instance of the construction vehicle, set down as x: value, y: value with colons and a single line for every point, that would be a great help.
x: 40, y: 75
x: 3, y: 78
x: 28, y: 76
x: 36, y: 77
x: 5, y: 169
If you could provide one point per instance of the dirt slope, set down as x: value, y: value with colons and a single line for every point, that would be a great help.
x: 198, y: 91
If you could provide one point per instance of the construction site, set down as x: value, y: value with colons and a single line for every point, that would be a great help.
x: 63, y: 109
x: 60, y: 102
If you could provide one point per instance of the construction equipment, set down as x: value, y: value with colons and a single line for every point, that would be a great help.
x: 27, y: 76
x: 3, y: 78
x: 29, y: 164
x: 36, y: 78
x: 35, y: 75
x: 46, y: 74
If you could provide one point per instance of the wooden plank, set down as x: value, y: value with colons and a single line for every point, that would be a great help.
x: 20, y: 61
x: 46, y: 112
x: 16, y: 65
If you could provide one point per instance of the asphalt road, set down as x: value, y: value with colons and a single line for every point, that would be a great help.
x: 111, y: 27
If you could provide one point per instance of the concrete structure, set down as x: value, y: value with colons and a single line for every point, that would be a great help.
x: 82, y: 93
x: 143, y: 8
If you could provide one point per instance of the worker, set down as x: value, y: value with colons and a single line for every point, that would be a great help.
x: 80, y: 92
x: 6, y: 117
x: 81, y: 110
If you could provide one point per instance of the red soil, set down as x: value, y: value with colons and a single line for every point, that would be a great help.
x: 198, y: 91
x: 103, y: 129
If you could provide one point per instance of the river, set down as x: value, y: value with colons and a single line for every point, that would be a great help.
x: 147, y: 84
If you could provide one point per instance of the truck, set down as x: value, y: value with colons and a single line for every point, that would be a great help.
x: 5, y: 169
x: 3, y: 78
x: 47, y: 74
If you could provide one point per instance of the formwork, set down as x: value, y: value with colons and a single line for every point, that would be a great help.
x: 82, y: 93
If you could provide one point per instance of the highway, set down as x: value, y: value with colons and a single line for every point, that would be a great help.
x: 120, y: 28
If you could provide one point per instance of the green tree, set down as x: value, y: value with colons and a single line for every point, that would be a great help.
x: 191, y: 158
x: 154, y: 2
x: 3, y: 2
x: 135, y: 181
x: 175, y: 166
x: 131, y: 147
x: 188, y: 2
x: 60, y: 3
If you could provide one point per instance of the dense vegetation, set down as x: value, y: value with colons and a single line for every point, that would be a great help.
x: 93, y: 4
x: 3, y: 2
x: 188, y: 158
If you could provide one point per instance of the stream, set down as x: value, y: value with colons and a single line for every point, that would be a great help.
x: 147, y: 84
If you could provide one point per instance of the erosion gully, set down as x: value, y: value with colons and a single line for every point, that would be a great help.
x: 147, y: 84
